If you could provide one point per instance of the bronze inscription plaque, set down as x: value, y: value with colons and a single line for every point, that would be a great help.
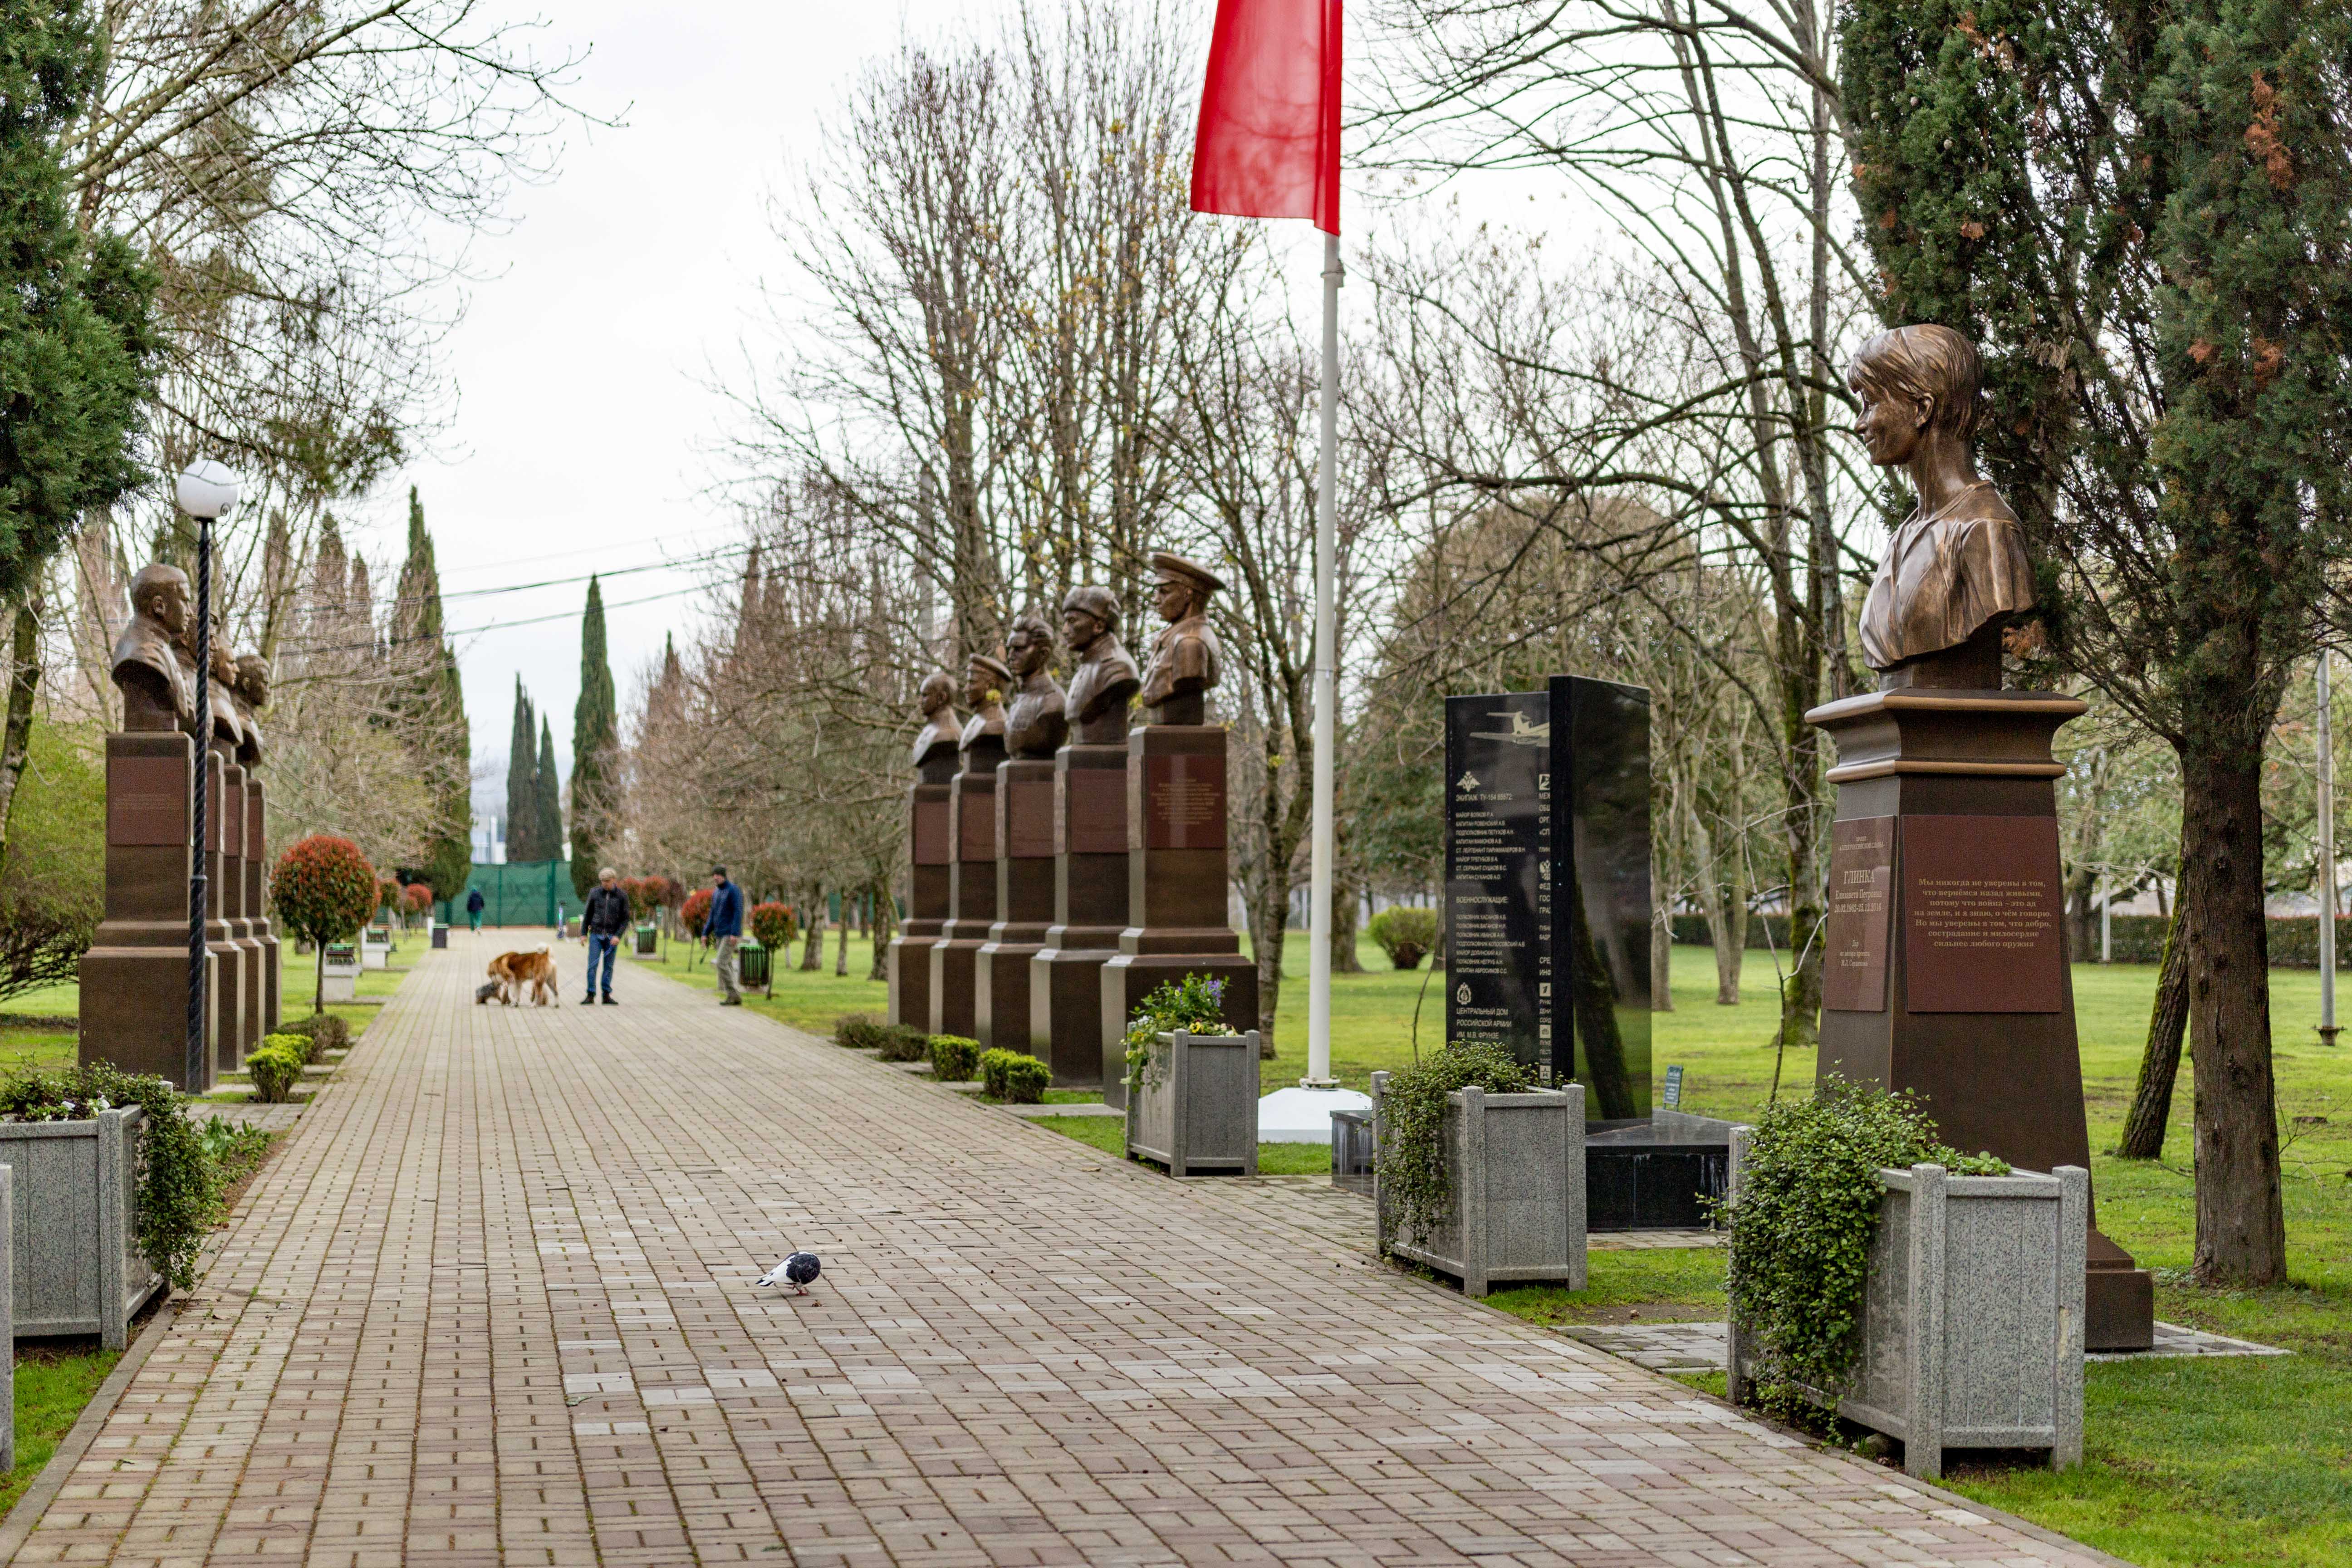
x: 976, y: 819
x: 1860, y: 892
x: 146, y: 800
x: 1980, y: 915
x: 1091, y: 812
x: 1184, y: 803
x: 1028, y: 818
x: 930, y: 833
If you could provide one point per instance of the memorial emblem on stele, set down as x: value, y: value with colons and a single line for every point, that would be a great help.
x: 1521, y: 733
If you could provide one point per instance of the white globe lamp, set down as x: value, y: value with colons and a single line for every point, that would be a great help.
x: 207, y: 490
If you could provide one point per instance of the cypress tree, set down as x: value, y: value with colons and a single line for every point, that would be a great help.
x: 595, y: 745
x: 2142, y: 212
x: 547, y: 823
x: 439, y: 699
x: 523, y: 782
x: 77, y: 343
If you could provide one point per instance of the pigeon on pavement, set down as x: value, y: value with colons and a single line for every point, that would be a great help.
x: 796, y: 1270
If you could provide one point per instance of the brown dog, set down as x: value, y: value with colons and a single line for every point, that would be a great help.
x: 515, y: 971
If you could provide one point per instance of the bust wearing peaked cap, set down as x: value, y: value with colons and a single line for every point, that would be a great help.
x: 986, y: 680
x: 1185, y: 655
x: 941, y: 727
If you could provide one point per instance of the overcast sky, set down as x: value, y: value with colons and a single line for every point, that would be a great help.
x: 582, y: 433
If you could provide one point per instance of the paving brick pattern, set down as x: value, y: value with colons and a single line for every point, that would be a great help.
x: 493, y: 1305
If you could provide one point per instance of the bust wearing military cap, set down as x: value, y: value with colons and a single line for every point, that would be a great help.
x: 1184, y: 656
x: 147, y: 669
x: 1105, y: 680
x: 986, y: 680
x: 941, y: 726
x: 1036, y: 725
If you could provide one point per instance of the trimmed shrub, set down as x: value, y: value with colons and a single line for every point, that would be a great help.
x: 954, y: 1059
x: 1404, y: 933
x: 904, y: 1043
x: 276, y: 1065
x: 319, y: 1033
x: 773, y: 925
x: 858, y: 1031
x: 1013, y: 1076
x: 694, y: 911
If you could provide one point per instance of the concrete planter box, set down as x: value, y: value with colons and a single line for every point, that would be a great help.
x: 375, y: 950
x: 76, y: 1206
x: 1197, y: 1108
x: 1517, y: 1166
x: 340, y: 973
x: 1972, y: 1319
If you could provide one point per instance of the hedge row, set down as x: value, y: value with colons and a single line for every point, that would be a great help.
x: 2134, y: 939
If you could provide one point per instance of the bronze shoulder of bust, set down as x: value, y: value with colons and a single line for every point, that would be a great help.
x: 1185, y: 655
x: 1955, y: 573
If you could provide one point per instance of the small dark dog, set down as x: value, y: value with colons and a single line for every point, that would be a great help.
x: 485, y: 993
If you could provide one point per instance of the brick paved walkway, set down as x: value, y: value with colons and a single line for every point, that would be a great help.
x: 494, y: 1306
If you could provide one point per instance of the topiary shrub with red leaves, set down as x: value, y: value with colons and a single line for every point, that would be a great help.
x: 695, y: 911
x: 323, y: 890
x: 773, y: 925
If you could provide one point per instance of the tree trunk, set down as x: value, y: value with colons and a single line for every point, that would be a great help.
x: 885, y: 914
x: 813, y: 950
x: 1662, y: 958
x: 2082, y: 916
x: 1269, y: 914
x: 841, y: 943
x: 1347, y: 903
x: 2159, y: 1063
x: 2240, y: 1228
x: 15, y: 742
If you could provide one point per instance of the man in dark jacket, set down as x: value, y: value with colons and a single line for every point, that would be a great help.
x: 725, y: 930
x: 473, y: 907
x: 606, y: 917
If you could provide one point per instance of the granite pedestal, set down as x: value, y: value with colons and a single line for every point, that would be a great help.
x: 134, y: 978
x: 1065, y: 1011
x: 1025, y: 902
x: 224, y: 993
x: 1176, y: 812
x: 930, y: 850
x: 1944, y: 968
x: 972, y: 889
x: 257, y: 902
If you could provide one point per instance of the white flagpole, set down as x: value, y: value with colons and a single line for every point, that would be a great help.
x: 1326, y: 694
x: 2327, y: 824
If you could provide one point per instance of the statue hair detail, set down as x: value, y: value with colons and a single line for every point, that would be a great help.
x: 1934, y: 366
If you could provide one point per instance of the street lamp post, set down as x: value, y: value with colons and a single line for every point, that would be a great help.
x: 207, y: 492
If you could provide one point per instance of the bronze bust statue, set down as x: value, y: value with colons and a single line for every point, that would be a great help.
x: 941, y: 726
x: 1185, y: 655
x: 251, y: 692
x: 1105, y: 680
x: 1955, y: 571
x: 147, y: 669
x: 985, y: 681
x: 220, y: 692
x: 1034, y: 726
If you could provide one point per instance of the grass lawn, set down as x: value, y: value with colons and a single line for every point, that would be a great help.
x: 804, y: 1000
x: 53, y: 1384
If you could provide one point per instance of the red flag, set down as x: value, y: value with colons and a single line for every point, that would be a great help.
x: 1268, y: 144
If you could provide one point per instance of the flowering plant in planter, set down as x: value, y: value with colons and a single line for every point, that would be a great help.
x: 1193, y: 1006
x: 324, y: 889
x: 695, y: 911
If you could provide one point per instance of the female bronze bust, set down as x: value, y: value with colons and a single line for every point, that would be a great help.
x: 1955, y: 571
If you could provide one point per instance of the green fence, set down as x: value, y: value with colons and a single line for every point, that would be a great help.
x: 521, y: 894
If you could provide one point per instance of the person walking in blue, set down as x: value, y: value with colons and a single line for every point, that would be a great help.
x: 602, y: 924
x: 473, y: 909
x: 725, y: 929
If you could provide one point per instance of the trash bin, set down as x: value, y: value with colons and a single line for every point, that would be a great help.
x: 752, y: 961
x: 440, y: 935
x: 645, y: 935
